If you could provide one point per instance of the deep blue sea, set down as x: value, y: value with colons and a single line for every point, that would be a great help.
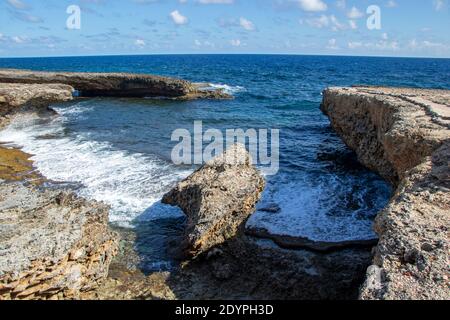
x: 118, y: 150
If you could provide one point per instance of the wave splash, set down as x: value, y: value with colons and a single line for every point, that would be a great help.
x: 129, y: 183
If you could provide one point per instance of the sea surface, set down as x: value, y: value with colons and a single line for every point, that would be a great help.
x: 118, y: 150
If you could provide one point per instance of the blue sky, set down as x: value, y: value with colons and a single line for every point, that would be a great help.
x: 335, y: 27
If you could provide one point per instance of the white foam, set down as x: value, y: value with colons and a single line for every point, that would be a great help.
x: 130, y: 183
x: 306, y: 210
x: 226, y: 88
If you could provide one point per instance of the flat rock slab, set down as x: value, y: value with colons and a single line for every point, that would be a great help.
x: 114, y: 84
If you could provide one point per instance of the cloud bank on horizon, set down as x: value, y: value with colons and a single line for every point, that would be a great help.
x: 341, y: 27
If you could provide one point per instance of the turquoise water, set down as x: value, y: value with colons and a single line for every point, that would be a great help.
x: 118, y: 150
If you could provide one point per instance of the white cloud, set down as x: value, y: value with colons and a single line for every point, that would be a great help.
x: 312, y: 5
x: 19, y: 39
x: 215, y: 1
x: 246, y: 24
x: 320, y: 22
x: 326, y: 21
x: 235, y: 43
x: 332, y: 44
x: 353, y: 24
x: 385, y: 36
x: 139, y: 43
x: 438, y: 5
x: 354, y: 13
x: 178, y: 18
x: 341, y: 4
x: 18, y: 4
x: 391, y: 4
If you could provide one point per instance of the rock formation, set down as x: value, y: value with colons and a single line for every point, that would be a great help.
x: 404, y: 135
x: 15, y: 97
x: 114, y: 84
x: 53, y: 245
x: 217, y: 199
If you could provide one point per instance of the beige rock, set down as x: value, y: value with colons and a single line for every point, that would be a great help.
x: 404, y: 135
x: 218, y: 199
x: 52, y: 243
x: 114, y: 84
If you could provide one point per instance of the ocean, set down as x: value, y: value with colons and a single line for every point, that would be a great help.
x: 118, y: 150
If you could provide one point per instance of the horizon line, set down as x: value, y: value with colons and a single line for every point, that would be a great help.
x: 218, y: 53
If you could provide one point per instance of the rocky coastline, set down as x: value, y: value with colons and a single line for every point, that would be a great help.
x: 128, y: 85
x: 404, y: 134
x: 55, y: 245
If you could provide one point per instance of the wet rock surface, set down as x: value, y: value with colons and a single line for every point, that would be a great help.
x: 404, y: 135
x: 114, y: 84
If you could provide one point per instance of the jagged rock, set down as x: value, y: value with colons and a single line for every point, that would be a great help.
x: 217, y: 199
x: 404, y: 135
x: 114, y: 84
x: 15, y: 96
x: 52, y: 243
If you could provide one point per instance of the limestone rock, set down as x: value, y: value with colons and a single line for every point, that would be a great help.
x: 114, y: 84
x: 404, y: 135
x: 52, y: 243
x: 14, y: 96
x: 218, y: 199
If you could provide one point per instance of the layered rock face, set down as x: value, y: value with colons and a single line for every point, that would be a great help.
x: 218, y: 199
x: 53, y: 245
x: 404, y: 135
x: 17, y: 96
x: 114, y: 84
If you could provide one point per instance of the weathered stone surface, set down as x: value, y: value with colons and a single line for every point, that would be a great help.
x: 16, y: 96
x: 404, y: 135
x: 217, y: 199
x: 392, y: 130
x: 114, y: 84
x: 52, y: 243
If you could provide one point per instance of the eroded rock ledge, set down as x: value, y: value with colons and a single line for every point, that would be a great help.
x: 115, y: 84
x: 404, y: 135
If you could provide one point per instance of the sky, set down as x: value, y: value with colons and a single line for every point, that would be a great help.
x: 410, y: 28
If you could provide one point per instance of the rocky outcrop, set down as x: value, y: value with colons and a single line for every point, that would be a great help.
x: 15, y: 97
x: 53, y: 245
x: 404, y: 135
x: 217, y: 199
x: 114, y: 84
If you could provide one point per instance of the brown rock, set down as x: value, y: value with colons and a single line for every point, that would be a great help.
x: 52, y: 243
x: 404, y: 135
x: 217, y: 199
x: 114, y: 84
